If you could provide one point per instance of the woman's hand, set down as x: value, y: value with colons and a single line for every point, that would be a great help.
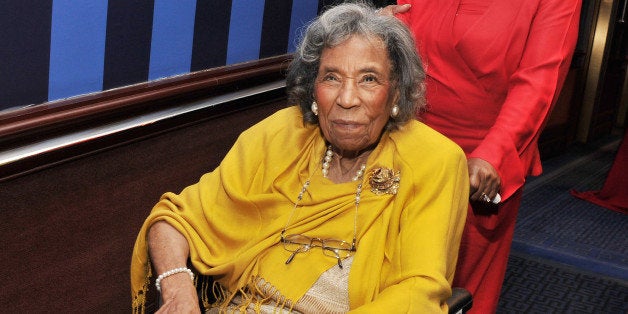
x: 484, y: 180
x: 178, y: 295
x: 391, y: 10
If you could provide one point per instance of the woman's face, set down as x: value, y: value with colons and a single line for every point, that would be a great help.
x: 352, y: 90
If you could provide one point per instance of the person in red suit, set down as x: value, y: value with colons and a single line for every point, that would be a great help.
x: 494, y: 70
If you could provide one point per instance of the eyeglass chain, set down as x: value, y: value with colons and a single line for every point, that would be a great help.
x: 325, y: 169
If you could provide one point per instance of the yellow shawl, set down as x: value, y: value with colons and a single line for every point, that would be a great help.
x: 407, y: 243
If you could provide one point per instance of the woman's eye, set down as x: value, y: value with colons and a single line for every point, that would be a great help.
x: 330, y: 77
x: 369, y: 79
x: 331, y: 80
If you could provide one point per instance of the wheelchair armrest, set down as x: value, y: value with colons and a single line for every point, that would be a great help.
x: 460, y: 301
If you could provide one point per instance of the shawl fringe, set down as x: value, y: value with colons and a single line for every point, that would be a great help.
x: 253, y: 295
x: 139, y: 300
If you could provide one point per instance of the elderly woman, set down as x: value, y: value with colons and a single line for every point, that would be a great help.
x: 341, y: 203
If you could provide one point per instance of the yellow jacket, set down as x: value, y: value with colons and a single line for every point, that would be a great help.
x: 407, y: 244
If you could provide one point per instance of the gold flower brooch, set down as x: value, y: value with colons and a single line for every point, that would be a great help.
x: 384, y: 181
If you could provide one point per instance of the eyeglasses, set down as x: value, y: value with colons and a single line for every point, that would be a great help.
x: 297, y: 243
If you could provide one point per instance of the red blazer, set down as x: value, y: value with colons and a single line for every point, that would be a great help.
x: 492, y: 90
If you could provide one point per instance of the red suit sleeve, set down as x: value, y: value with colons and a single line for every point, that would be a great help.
x: 533, y: 89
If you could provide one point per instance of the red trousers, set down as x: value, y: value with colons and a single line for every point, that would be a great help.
x: 484, y: 251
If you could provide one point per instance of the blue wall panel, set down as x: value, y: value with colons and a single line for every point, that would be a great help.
x: 245, y: 32
x: 173, y: 33
x: 77, y: 47
x: 57, y: 49
x: 303, y: 11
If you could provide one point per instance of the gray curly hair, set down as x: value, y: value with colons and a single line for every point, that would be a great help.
x: 340, y: 23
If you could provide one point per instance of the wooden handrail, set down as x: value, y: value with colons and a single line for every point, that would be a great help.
x: 24, y: 123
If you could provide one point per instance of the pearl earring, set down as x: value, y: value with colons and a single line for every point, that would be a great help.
x: 315, y: 108
x: 394, y: 112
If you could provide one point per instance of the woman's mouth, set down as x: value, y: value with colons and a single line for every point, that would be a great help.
x: 346, y: 125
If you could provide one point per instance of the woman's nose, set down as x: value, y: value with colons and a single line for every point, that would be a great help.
x: 348, y: 94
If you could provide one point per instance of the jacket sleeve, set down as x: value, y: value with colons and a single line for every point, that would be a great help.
x: 533, y: 89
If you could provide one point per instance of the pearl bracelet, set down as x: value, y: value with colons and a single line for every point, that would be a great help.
x: 170, y: 273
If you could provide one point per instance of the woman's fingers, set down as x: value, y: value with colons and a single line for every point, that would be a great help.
x: 484, y: 180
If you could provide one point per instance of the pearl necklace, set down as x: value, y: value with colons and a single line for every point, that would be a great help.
x: 327, y: 159
x: 325, y: 169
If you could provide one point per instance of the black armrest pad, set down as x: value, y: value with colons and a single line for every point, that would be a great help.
x: 460, y: 300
